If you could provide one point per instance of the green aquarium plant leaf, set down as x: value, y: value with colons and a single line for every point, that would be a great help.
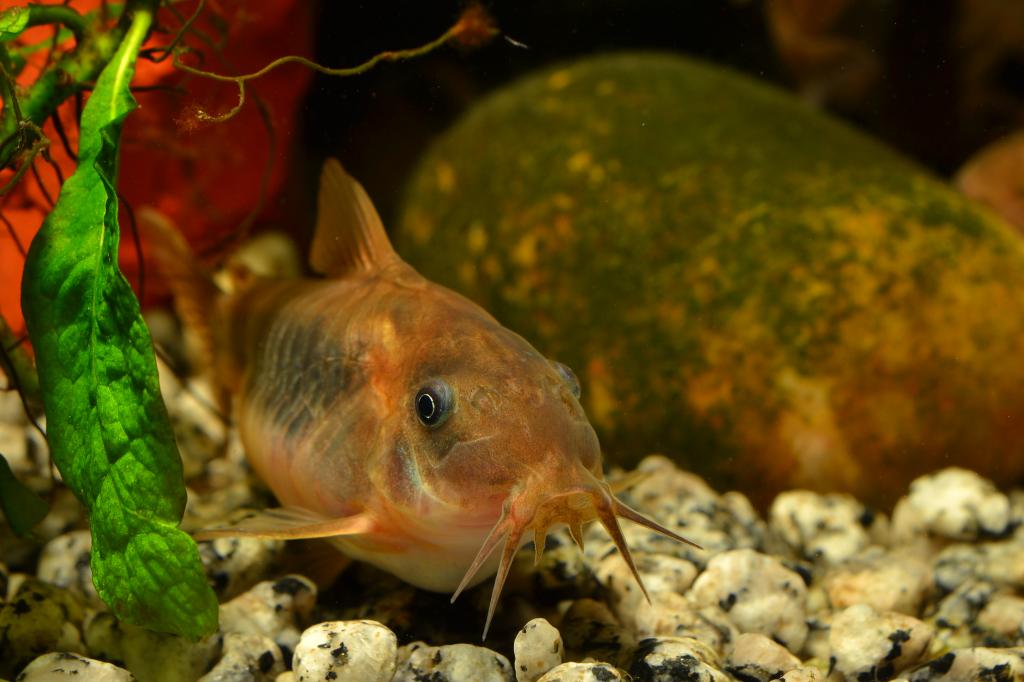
x: 108, y: 427
x: 22, y: 508
x: 13, y: 21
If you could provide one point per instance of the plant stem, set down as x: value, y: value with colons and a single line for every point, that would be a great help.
x: 73, y: 73
x: 58, y: 14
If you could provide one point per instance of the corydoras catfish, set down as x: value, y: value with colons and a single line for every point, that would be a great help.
x: 392, y: 415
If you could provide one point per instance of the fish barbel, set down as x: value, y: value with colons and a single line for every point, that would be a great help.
x: 391, y: 415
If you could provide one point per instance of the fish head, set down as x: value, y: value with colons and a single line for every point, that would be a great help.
x: 474, y: 428
x: 490, y: 430
x: 476, y: 412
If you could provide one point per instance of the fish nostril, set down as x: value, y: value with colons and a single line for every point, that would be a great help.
x: 485, y: 399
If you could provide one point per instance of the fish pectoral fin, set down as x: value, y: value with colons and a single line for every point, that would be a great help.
x: 349, y: 235
x: 291, y: 523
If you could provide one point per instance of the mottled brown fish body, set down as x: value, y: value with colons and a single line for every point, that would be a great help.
x: 392, y: 415
x: 324, y: 406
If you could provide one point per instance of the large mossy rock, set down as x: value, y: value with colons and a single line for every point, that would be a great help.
x: 742, y: 283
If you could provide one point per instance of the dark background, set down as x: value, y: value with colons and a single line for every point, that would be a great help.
x: 923, y: 98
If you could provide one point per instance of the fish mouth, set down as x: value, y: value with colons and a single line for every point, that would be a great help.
x: 588, y: 499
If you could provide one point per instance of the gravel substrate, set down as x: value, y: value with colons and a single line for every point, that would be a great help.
x: 822, y: 589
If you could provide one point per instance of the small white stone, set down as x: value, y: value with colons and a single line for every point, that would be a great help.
x: 59, y: 665
x: 452, y: 663
x: 661, y: 575
x: 953, y: 503
x: 755, y: 657
x: 562, y: 567
x: 538, y: 648
x: 355, y: 650
x: 170, y: 384
x: 64, y: 562
x: 583, y: 672
x: 1017, y: 513
x: 1003, y: 615
x: 14, y: 447
x: 1001, y: 563
x: 961, y: 607
x: 683, y: 503
x: 37, y: 619
x: 667, y: 658
x: 972, y: 664
x: 673, y: 615
x: 886, y: 581
x: 200, y: 431
x: 805, y: 674
x: 273, y: 608
x: 869, y: 645
x: 590, y: 630
x: 829, y: 528
x: 236, y: 564
x: 247, y: 658
x: 12, y: 411
x: 269, y: 254
x: 757, y: 592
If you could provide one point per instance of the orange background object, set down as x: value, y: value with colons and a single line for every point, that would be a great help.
x: 205, y: 177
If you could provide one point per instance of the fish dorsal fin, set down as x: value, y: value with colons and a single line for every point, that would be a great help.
x: 291, y: 523
x: 349, y: 237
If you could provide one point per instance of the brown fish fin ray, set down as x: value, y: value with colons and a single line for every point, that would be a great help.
x: 291, y: 523
x: 191, y: 284
x: 349, y: 236
x: 627, y: 512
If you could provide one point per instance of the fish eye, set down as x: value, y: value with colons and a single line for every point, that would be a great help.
x: 434, y: 403
x: 569, y: 377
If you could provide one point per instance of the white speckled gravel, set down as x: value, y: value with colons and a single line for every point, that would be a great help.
x: 57, y: 666
x: 583, y: 672
x: 973, y: 665
x: 38, y: 618
x: 755, y: 657
x: 12, y: 412
x: 538, y: 648
x: 278, y: 609
x: 686, y: 504
x: 346, y: 651
x: 198, y: 429
x: 961, y: 607
x: 590, y: 630
x: 237, y: 564
x: 452, y: 663
x: 64, y: 562
x: 953, y: 503
x: 247, y: 658
x: 805, y: 674
x: 1003, y: 615
x: 675, y: 658
x: 826, y: 578
x: 868, y: 645
x: 829, y: 528
x: 759, y: 594
x: 14, y: 446
x: 673, y: 615
x: 886, y: 581
x: 661, y: 575
x: 1001, y: 563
